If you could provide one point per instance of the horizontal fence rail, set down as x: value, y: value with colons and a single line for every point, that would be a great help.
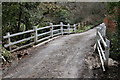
x: 61, y: 29
x: 102, y: 45
x: 20, y: 33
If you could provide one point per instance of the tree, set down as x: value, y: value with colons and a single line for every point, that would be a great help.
x: 22, y: 16
x: 114, y: 11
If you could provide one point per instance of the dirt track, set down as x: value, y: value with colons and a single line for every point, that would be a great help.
x: 63, y: 57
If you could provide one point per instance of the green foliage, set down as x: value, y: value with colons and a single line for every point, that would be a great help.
x: 113, y: 9
x: 16, y: 18
x: 6, y: 54
x: 63, y: 15
x: 111, y: 6
x: 51, y: 12
x: 22, y: 16
x: 84, y: 28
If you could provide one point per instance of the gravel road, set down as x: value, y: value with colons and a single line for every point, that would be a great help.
x: 63, y: 57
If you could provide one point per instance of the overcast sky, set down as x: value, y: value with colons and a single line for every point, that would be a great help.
x: 59, y: 0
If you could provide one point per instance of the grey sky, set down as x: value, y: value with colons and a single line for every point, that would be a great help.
x: 59, y: 0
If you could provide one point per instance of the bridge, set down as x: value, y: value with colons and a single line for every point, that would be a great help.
x: 63, y: 57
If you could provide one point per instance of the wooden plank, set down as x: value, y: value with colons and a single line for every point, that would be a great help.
x: 40, y: 44
x: 103, y: 31
x: 65, y: 29
x: 69, y: 28
x: 102, y: 62
x: 103, y: 41
x: 51, y: 29
x: 56, y: 34
x: 97, y: 36
x: 67, y: 32
x: 56, y: 25
x: 12, y: 43
x: 99, y: 45
x: 43, y: 27
x: 44, y: 33
x: 74, y: 27
x: 56, y: 30
x: 95, y: 47
x: 61, y: 24
x: 35, y: 34
x: 22, y: 47
x: 43, y: 38
x: 107, y: 52
x: 9, y: 41
x: 16, y: 34
x: 65, y: 25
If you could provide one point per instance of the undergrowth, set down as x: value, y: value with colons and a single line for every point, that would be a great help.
x: 82, y: 29
x: 6, y: 54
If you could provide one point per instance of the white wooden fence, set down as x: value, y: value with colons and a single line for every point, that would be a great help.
x: 102, y: 45
x: 53, y: 32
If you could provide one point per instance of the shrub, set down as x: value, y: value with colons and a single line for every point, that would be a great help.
x: 6, y: 54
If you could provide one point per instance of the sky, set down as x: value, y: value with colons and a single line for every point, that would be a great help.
x: 59, y: 0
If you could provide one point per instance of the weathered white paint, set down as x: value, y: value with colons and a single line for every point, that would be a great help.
x: 43, y: 28
x: 74, y: 27
x: 13, y: 43
x: 101, y: 50
x: 69, y: 28
x: 101, y: 37
x: 107, y: 53
x: 44, y: 33
x: 103, y: 41
x: 16, y: 34
x: 61, y: 24
x: 44, y: 38
x: 51, y: 29
x: 23, y: 46
x: 102, y: 62
x: 36, y: 35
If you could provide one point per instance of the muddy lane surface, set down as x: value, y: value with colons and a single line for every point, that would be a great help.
x: 60, y: 58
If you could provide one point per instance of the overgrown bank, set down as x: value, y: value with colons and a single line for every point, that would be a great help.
x: 113, y: 30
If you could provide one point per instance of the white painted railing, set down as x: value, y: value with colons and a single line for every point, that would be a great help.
x: 53, y: 32
x: 102, y: 45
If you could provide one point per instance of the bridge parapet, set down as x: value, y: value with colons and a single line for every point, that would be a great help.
x: 52, y: 31
x: 102, y: 45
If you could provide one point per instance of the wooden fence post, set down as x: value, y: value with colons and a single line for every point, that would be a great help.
x: 97, y: 38
x: 107, y: 52
x: 9, y: 41
x: 61, y: 24
x: 51, y: 29
x: 74, y: 28
x: 69, y: 28
x: 104, y: 30
x: 35, y: 29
